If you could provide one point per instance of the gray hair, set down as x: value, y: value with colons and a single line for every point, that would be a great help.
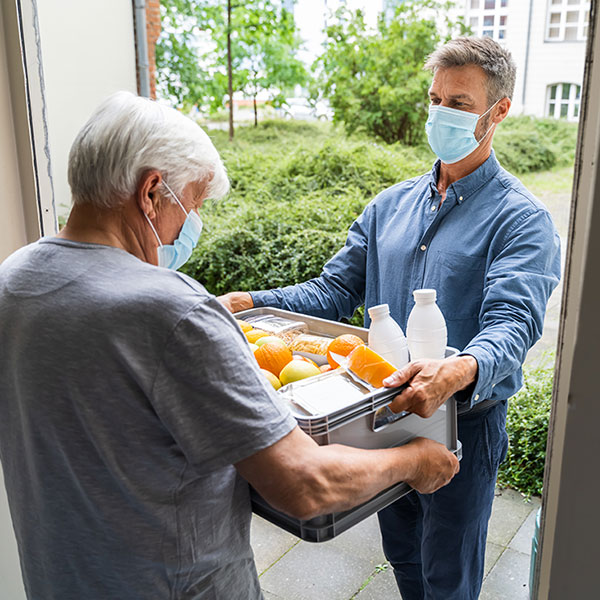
x: 496, y: 62
x: 127, y: 135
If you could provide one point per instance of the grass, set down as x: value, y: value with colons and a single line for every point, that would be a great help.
x: 555, y: 181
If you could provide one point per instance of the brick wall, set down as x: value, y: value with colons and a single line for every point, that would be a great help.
x: 153, y: 31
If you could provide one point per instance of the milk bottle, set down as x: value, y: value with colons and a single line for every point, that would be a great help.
x: 386, y: 336
x: 426, y: 327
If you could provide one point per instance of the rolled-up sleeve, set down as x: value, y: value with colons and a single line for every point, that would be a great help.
x: 517, y: 288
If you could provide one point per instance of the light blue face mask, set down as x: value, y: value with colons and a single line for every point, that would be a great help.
x: 451, y: 132
x: 178, y: 253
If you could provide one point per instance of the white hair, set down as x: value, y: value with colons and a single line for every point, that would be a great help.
x: 128, y: 135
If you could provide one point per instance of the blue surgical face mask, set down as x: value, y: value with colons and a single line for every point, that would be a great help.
x: 451, y: 132
x: 178, y: 253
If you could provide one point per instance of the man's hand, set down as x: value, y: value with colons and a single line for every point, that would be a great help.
x: 435, y: 465
x: 236, y: 301
x: 431, y: 383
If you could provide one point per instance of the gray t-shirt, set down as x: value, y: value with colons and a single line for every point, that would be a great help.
x: 127, y: 392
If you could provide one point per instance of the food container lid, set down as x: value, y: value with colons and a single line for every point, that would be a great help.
x: 325, y: 401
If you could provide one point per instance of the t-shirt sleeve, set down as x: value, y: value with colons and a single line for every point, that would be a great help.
x: 210, y: 395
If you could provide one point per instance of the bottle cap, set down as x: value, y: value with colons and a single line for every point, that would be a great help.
x: 379, y: 311
x: 427, y: 295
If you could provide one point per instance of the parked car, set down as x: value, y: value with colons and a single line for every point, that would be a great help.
x: 302, y: 109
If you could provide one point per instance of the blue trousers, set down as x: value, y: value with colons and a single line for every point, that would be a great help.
x: 436, y: 542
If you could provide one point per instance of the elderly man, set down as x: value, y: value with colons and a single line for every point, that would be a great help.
x: 472, y: 231
x: 131, y: 404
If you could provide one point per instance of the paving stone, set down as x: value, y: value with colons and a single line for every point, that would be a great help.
x: 334, y: 570
x: 509, y: 511
x: 382, y: 587
x: 508, y: 579
x: 492, y: 554
x: 522, y: 540
x: 269, y: 542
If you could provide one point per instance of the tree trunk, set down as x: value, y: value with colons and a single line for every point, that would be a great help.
x: 255, y: 113
x: 229, y: 72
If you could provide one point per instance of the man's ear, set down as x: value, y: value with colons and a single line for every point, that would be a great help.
x: 501, y: 111
x: 146, y: 194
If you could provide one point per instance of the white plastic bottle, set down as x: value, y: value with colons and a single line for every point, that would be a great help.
x: 386, y: 336
x: 426, y: 328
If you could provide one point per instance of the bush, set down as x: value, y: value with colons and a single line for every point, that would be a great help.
x: 527, y: 426
x: 526, y: 144
x: 520, y: 152
x: 296, y: 189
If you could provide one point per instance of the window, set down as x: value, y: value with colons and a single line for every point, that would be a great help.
x: 567, y: 20
x: 488, y: 18
x: 563, y: 101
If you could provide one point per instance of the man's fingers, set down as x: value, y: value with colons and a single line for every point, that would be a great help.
x: 402, y: 375
x: 401, y: 403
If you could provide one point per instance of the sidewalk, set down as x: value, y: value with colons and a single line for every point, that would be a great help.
x: 352, y: 566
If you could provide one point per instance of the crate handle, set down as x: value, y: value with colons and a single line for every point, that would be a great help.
x: 384, y: 417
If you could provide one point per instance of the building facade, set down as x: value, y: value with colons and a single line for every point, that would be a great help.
x: 547, y: 39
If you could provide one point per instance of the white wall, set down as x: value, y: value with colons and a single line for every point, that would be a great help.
x: 516, y: 43
x: 88, y: 52
x: 11, y: 584
x: 12, y: 229
x: 549, y: 62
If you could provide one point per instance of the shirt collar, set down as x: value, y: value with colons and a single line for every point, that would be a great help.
x: 468, y: 185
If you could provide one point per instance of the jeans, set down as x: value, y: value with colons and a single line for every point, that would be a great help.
x: 436, y: 542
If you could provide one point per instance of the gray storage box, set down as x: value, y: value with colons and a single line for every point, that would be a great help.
x: 366, y: 423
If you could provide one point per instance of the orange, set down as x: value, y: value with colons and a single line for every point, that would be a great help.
x: 305, y: 358
x: 368, y: 365
x: 244, y: 325
x: 273, y: 357
x: 325, y: 368
x: 342, y: 345
x: 254, y: 334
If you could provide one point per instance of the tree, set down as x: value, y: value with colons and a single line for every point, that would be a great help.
x: 374, y: 80
x: 258, y: 39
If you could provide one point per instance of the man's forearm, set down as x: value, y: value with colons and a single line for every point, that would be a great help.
x: 303, y: 479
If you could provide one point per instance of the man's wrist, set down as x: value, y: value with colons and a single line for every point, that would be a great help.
x: 242, y: 301
x: 468, y: 369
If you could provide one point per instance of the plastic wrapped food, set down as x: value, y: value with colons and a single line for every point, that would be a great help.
x: 310, y: 344
x: 369, y: 365
x: 286, y: 329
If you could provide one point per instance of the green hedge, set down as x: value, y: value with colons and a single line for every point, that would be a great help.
x: 527, y: 426
x: 526, y: 144
x: 296, y: 189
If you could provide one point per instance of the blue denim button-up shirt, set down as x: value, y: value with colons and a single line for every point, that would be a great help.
x: 490, y: 250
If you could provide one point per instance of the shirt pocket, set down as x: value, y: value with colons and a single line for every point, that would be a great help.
x: 460, y: 281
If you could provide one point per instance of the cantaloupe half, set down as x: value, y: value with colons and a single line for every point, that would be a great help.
x: 368, y: 365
